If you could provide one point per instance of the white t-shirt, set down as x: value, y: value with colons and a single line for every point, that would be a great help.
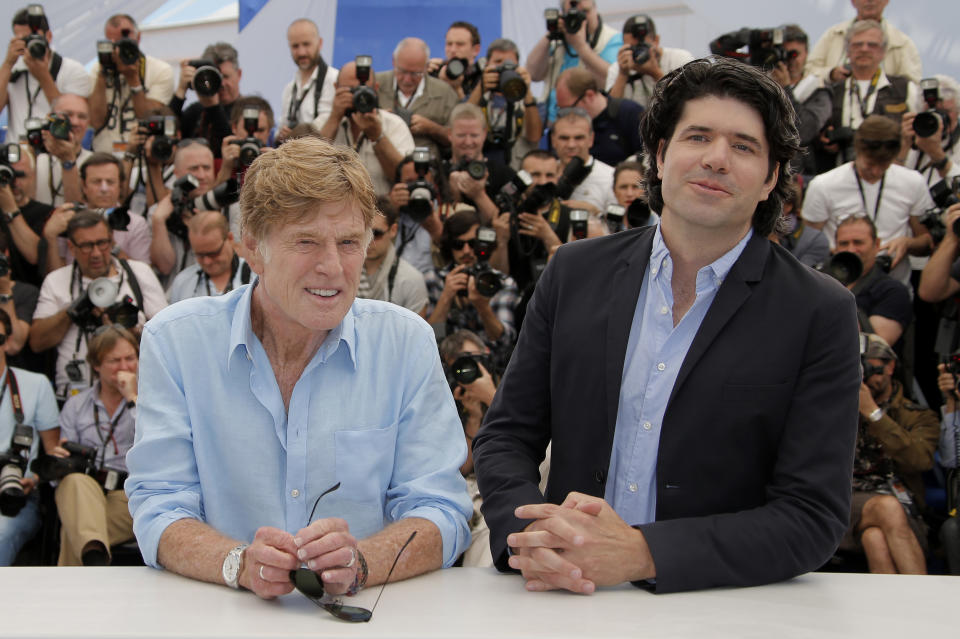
x: 58, y: 291
x: 50, y: 177
x: 394, y: 129
x: 834, y: 195
x: 640, y: 91
x: 597, y: 187
x: 158, y: 85
x: 25, y: 98
x: 306, y: 113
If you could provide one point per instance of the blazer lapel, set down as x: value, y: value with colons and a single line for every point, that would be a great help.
x: 625, y: 290
x: 734, y: 291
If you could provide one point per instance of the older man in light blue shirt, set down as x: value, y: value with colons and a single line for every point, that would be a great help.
x: 254, y: 403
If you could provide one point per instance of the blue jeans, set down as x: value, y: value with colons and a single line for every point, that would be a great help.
x: 17, y: 531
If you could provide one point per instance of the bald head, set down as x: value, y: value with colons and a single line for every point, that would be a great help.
x: 410, y: 64
x: 304, y: 41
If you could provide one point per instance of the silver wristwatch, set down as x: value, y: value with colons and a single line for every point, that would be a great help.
x: 232, y: 565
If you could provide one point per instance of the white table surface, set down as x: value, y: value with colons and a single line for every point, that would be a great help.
x: 473, y: 602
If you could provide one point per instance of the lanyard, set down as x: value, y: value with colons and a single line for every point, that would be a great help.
x: 855, y: 92
x: 293, y: 113
x: 346, y: 135
x: 863, y: 197
x: 396, y: 95
x: 203, y: 277
x: 14, y: 396
x: 30, y: 100
x: 110, y: 435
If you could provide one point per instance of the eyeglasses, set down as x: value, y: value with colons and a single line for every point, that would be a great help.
x: 87, y: 247
x: 210, y: 255
x: 309, y: 584
x: 409, y: 74
x: 876, y: 145
x: 866, y: 45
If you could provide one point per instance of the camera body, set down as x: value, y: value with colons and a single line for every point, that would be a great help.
x: 250, y: 146
x: 639, y: 30
x: 510, y: 82
x: 422, y: 193
x: 57, y: 124
x: 488, y: 281
x: 842, y: 136
x: 925, y: 124
x: 181, y: 200
x: 9, y: 155
x: 36, y: 42
x: 764, y: 47
x: 476, y: 169
x: 574, y: 18
x: 163, y: 129
x: 944, y: 195
x: 127, y: 48
x: 13, y: 465
x: 102, y: 293
x: 82, y: 459
x: 208, y: 79
x: 364, y: 97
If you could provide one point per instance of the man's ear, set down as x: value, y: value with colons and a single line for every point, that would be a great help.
x: 254, y: 256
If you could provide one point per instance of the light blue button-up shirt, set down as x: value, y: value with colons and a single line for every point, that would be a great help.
x: 372, y: 410
x: 655, y: 351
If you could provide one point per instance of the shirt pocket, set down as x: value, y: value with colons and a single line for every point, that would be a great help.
x: 364, y: 462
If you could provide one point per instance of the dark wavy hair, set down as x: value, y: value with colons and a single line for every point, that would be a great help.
x: 723, y: 77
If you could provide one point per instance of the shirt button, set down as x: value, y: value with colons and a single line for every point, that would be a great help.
x: 654, y: 270
x: 294, y: 493
x: 661, y: 366
x: 632, y: 488
x: 664, y: 310
x: 647, y: 425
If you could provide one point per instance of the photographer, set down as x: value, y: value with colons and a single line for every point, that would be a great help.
x: 37, y: 408
x: 92, y: 505
x: 423, y: 101
x: 169, y: 251
x: 58, y: 164
x: 455, y: 300
x: 23, y: 219
x: 883, y: 304
x: 572, y: 137
x: 937, y: 155
x: 893, y: 197
x: 312, y: 88
x: 218, y: 269
x: 940, y: 279
x: 616, y: 122
x: 151, y: 169
x: 380, y: 137
x: 417, y: 230
x: 895, y: 443
x: 514, y: 129
x: 209, y: 116
x: 460, y: 68
x: 30, y: 83
x: 66, y: 314
x: 385, y: 275
x: 632, y: 81
x: 809, y: 245
x: 102, y: 179
x: 583, y: 41
x: 237, y: 149
x: 128, y: 87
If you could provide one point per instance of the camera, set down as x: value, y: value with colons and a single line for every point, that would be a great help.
x: 364, y: 97
x: 488, y: 281
x: 57, y: 124
x: 163, y: 128
x: 118, y: 217
x: 574, y: 17
x: 105, y: 55
x: 614, y: 217
x: 638, y: 213
x: 422, y: 193
x: 474, y: 168
x: 639, y: 30
x: 925, y: 124
x: 224, y: 194
x: 208, y: 79
x: 764, y: 47
x: 180, y: 198
x: 127, y: 48
x: 456, y: 67
x: 844, y: 266
x: 466, y: 369
x: 101, y: 294
x: 578, y: 223
x: 249, y: 146
x: 511, y: 83
x: 82, y: 459
x: 841, y: 136
x: 944, y: 195
x: 13, y: 464
x: 36, y: 42
x: 552, y: 16
x: 4, y: 265
x: 868, y: 369
x: 9, y: 155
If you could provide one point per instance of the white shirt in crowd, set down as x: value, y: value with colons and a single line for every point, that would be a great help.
x: 305, y: 93
x: 641, y: 90
x: 25, y: 98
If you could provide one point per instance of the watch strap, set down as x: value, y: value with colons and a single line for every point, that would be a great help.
x: 5, y: 297
x: 876, y: 415
x: 230, y: 577
x: 67, y: 164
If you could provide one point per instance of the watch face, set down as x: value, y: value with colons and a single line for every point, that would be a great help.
x: 231, y: 567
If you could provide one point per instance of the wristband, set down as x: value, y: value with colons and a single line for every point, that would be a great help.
x: 875, y: 416
x: 66, y: 165
x: 5, y: 297
x: 12, y: 216
x: 137, y: 89
x: 530, y: 104
x: 360, y: 580
x: 377, y: 141
x: 939, y: 166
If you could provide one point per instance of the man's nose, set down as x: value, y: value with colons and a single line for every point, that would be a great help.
x: 328, y: 260
x: 716, y: 156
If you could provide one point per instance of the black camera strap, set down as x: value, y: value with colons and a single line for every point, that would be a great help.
x: 134, y: 284
x: 234, y: 267
x: 15, y: 396
x: 110, y: 434
x: 863, y: 197
x: 293, y: 113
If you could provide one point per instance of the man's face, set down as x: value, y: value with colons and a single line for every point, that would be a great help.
x: 230, y: 88
x: 75, y: 108
x: 383, y: 236
x: 305, y: 43
x: 197, y: 160
x: 409, y: 66
x: 115, y: 33
x: 459, y: 44
x: 462, y: 250
x: 263, y: 129
x: 880, y: 382
x: 856, y: 238
x: 796, y: 64
x: 466, y: 139
x: 627, y: 187
x: 869, y: 169
x: 542, y: 170
x: 24, y: 188
x: 122, y: 357
x: 715, y: 168
x: 91, y: 249
x: 866, y: 50
x: 213, y: 250
x: 572, y: 137
x: 869, y: 9
x: 101, y: 188
x: 309, y: 271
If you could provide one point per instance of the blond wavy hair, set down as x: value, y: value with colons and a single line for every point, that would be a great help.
x: 286, y: 185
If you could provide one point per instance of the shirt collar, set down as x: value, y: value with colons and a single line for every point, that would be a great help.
x: 242, y: 335
x: 416, y: 94
x: 715, y: 272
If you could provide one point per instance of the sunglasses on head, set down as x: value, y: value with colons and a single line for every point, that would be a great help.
x: 310, y: 585
x: 876, y: 145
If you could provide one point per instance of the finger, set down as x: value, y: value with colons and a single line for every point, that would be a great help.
x: 535, y: 511
x: 343, y: 576
x: 590, y: 508
x: 535, y: 539
x: 276, y: 538
x: 545, y: 560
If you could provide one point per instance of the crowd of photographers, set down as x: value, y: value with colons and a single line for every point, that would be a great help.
x: 119, y: 193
